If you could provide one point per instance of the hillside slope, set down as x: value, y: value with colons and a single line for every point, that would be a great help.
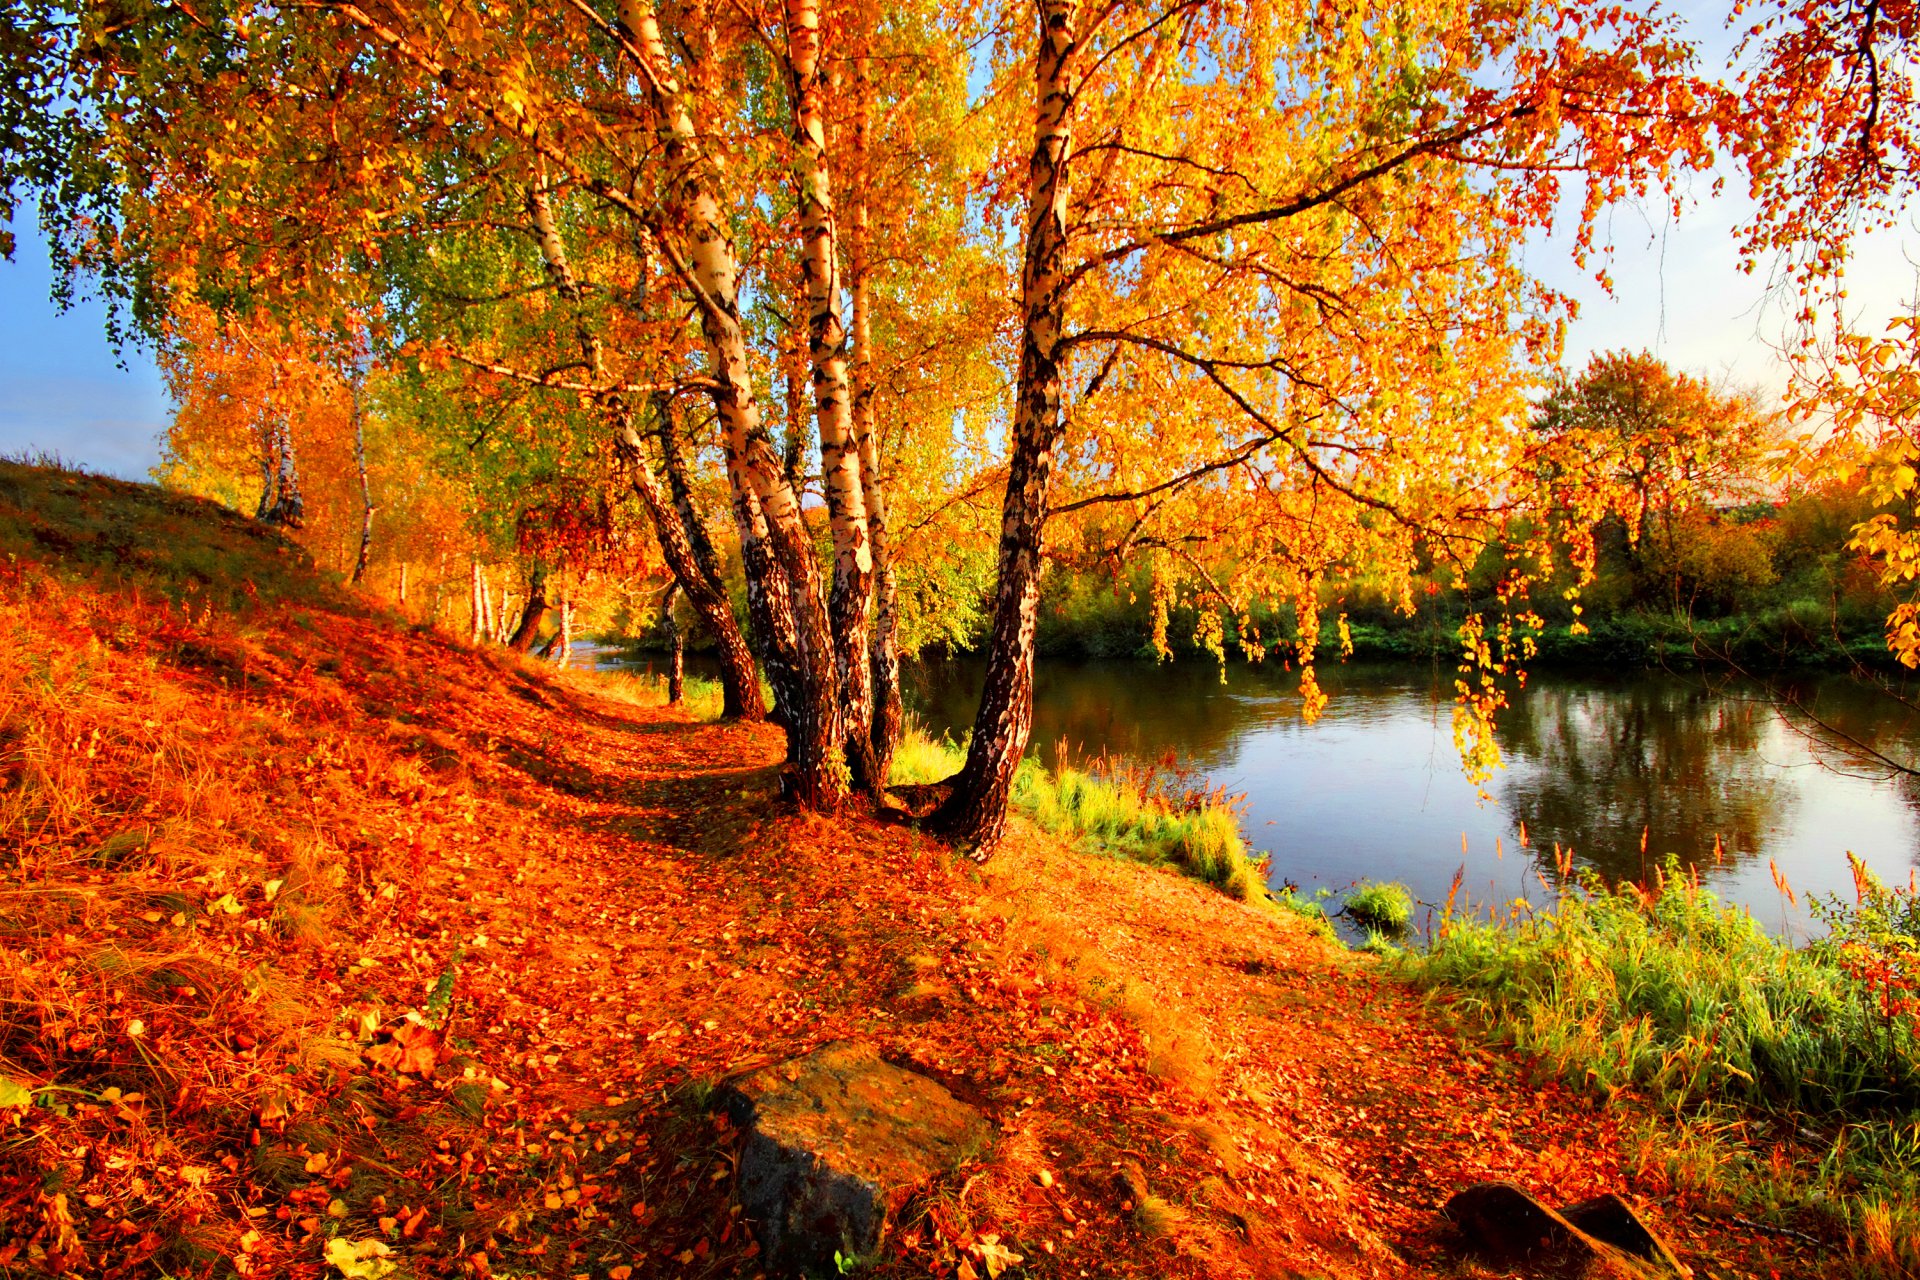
x: 333, y: 947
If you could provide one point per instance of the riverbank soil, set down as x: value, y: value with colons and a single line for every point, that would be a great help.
x: 334, y: 948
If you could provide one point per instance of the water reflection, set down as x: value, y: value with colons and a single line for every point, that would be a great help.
x: 1129, y: 708
x: 1660, y: 760
x: 1374, y: 788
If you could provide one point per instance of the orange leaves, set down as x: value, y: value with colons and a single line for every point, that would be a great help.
x: 993, y: 1255
x: 409, y: 1049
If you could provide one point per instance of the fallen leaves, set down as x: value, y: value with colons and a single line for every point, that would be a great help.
x: 410, y: 1049
x: 656, y: 924
x: 360, y: 1260
x: 993, y: 1255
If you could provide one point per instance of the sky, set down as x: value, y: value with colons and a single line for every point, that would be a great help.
x: 62, y: 388
x: 1679, y: 292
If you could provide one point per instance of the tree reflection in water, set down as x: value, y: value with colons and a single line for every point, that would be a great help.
x: 1595, y: 769
x: 1374, y: 788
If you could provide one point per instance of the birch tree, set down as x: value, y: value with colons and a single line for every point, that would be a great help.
x: 1301, y: 224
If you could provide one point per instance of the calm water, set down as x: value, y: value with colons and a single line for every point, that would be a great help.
x: 1374, y: 788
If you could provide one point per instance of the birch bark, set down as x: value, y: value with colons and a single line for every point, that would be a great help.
x: 976, y: 810
x: 783, y: 580
x: 740, y: 688
x: 884, y: 645
x: 827, y: 353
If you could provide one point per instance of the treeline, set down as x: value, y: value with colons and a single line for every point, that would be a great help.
x: 1762, y: 585
x: 1736, y: 545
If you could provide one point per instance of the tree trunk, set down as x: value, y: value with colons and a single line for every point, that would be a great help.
x: 479, y: 606
x: 288, y: 509
x: 740, y: 685
x: 766, y: 509
x: 770, y: 611
x: 366, y: 490
x: 888, y: 715
x: 827, y: 350
x: 439, y: 590
x: 531, y: 616
x: 403, y: 581
x: 976, y: 811
x: 267, y: 473
x: 793, y: 355
x: 681, y: 491
x: 676, y: 649
x: 676, y: 527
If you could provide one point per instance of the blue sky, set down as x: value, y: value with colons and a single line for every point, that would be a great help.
x: 1679, y: 291
x: 61, y: 390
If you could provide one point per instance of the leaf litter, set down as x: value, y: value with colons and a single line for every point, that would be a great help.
x: 333, y: 948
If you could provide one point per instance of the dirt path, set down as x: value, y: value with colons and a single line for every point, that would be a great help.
x: 266, y: 847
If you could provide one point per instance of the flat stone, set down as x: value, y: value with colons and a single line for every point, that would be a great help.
x: 1511, y: 1228
x: 835, y: 1143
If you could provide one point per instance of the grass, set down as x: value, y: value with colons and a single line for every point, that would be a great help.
x: 702, y: 697
x: 1125, y: 811
x: 1788, y: 1078
x: 1384, y: 907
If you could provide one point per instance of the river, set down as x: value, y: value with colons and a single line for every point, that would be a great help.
x: 1374, y: 787
x: 1712, y: 770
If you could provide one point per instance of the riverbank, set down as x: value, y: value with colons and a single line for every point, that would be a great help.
x: 1791, y: 1074
x: 339, y: 948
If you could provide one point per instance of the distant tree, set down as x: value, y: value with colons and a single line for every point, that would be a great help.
x: 1660, y: 450
x: 1669, y: 442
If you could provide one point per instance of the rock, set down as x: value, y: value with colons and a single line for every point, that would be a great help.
x: 835, y: 1142
x: 1593, y: 1239
x: 1611, y: 1219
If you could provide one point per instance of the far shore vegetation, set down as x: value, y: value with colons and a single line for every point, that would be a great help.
x: 1767, y: 585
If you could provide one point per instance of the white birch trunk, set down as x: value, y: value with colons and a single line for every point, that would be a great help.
x: 792, y: 612
x: 827, y: 352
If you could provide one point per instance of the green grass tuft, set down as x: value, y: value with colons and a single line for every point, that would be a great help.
x: 1384, y: 907
x: 1688, y: 1002
x: 1121, y: 814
